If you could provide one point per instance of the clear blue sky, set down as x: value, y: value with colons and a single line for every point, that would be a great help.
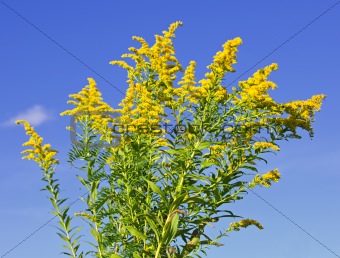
x: 37, y: 75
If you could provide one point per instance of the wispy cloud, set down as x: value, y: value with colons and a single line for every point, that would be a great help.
x: 35, y: 115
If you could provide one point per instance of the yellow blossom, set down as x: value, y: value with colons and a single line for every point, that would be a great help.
x: 255, y: 89
x: 145, y: 102
x: 42, y: 154
x: 159, y: 59
x: 140, y: 108
x: 266, y: 179
x: 304, y: 109
x: 265, y: 145
x: 298, y: 114
x: 188, y: 91
x: 189, y: 75
x: 89, y: 103
x: 217, y: 151
x: 243, y: 224
x: 163, y: 142
x: 272, y: 175
x: 223, y: 60
x: 222, y: 63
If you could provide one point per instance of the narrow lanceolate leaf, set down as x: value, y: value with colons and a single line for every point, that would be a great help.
x: 153, y: 227
x: 115, y: 256
x: 171, y: 229
x: 177, y: 202
x: 135, y: 232
x: 207, y: 163
x: 156, y: 189
x: 171, y: 151
x: 203, y: 145
x: 136, y: 255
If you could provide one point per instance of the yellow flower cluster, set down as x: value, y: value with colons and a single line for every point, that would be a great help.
x: 156, y: 66
x: 265, y: 179
x: 251, y: 128
x: 222, y: 63
x: 188, y: 92
x: 189, y: 75
x: 273, y: 175
x: 42, y: 154
x: 255, y: 89
x: 216, y: 151
x: 158, y: 59
x: 254, y: 93
x: 223, y: 60
x: 163, y: 59
x: 243, y: 224
x: 304, y: 109
x: 140, y: 108
x: 89, y: 103
x: 163, y: 142
x: 299, y: 114
x: 265, y: 145
x: 151, y: 88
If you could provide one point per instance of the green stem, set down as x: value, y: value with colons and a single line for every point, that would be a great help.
x: 158, y: 252
x: 54, y: 190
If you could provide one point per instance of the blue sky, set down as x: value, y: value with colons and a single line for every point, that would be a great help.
x: 37, y: 75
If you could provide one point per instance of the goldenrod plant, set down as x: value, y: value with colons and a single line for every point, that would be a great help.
x: 156, y: 192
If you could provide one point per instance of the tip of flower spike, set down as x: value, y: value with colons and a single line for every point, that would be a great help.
x: 274, y: 66
x: 237, y: 41
x: 178, y: 23
x: 19, y: 122
x: 91, y: 81
x: 245, y: 223
x: 26, y: 124
x: 173, y: 26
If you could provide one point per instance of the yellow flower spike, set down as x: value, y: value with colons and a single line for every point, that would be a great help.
x: 122, y: 64
x: 141, y: 107
x: 273, y: 175
x: 300, y: 113
x: 42, y: 154
x: 162, y: 142
x: 265, y: 145
x: 223, y: 60
x: 266, y: 179
x: 171, y: 31
x: 142, y: 41
x: 189, y: 75
x: 216, y: 151
x: 305, y: 108
x: 255, y: 89
x: 188, y: 92
x: 222, y: 63
x: 88, y: 102
x: 243, y: 224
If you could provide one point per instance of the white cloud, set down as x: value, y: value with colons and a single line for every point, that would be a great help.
x: 35, y: 115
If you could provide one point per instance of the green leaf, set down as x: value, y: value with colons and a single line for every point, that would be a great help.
x: 156, y: 189
x: 177, y: 202
x: 203, y: 145
x: 62, y: 237
x: 115, y: 256
x: 153, y: 227
x: 135, y: 232
x: 207, y: 163
x: 171, y: 151
x: 171, y: 229
x: 136, y: 255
